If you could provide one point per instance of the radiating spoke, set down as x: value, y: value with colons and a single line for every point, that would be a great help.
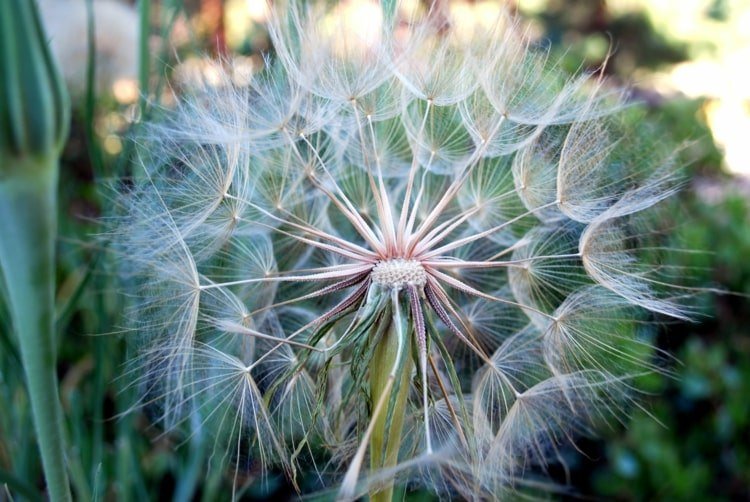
x: 424, y: 254
x: 346, y: 207
x: 334, y: 272
x: 452, y: 263
x: 412, y: 174
x: 357, y: 295
x: 433, y: 296
x: 461, y: 286
x: 346, y: 283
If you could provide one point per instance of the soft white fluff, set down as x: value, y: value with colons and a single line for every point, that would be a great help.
x: 257, y: 242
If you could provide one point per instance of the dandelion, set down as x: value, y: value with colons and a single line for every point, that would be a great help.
x: 410, y: 257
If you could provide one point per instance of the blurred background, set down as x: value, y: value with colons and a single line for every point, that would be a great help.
x: 686, y: 64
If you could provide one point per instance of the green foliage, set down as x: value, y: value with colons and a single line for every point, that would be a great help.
x: 701, y: 450
x: 692, y: 443
x: 723, y: 230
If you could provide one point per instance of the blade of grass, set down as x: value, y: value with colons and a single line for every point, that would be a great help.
x: 129, y: 482
x: 171, y: 10
x: 69, y: 297
x: 95, y: 154
x: 144, y: 54
x: 125, y: 162
x: 189, y: 474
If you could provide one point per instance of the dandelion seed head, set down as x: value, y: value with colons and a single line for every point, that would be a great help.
x: 430, y: 234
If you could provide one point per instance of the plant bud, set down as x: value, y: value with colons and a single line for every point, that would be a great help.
x: 33, y: 101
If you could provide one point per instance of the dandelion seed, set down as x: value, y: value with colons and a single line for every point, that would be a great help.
x: 410, y: 256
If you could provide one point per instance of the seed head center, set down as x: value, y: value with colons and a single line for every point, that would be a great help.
x: 398, y: 272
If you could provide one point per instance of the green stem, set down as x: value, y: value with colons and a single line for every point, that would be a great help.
x: 144, y: 54
x: 95, y: 154
x: 386, y: 437
x: 28, y: 205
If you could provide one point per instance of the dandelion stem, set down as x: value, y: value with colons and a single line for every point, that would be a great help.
x: 392, y: 352
x: 28, y: 203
